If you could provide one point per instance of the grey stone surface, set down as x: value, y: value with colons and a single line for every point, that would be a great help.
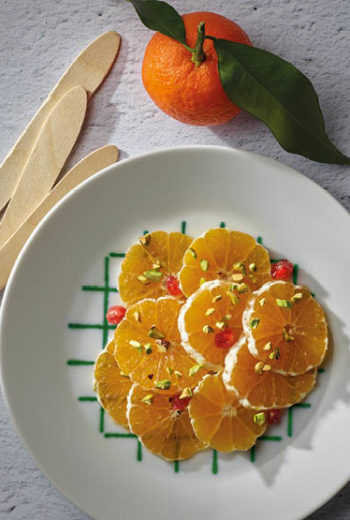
x: 38, y: 40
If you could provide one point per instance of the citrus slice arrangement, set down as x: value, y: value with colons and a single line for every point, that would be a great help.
x: 212, y: 342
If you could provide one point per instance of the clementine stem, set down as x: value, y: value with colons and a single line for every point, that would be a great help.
x: 198, y: 55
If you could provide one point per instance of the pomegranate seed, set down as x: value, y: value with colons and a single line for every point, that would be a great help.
x: 173, y: 286
x: 273, y: 416
x: 180, y: 404
x: 225, y: 338
x: 115, y: 314
x: 282, y: 270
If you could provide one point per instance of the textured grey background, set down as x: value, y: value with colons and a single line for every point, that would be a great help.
x: 38, y: 40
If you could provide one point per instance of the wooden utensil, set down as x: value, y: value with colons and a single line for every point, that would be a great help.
x: 91, y: 164
x: 88, y: 70
x: 50, y: 151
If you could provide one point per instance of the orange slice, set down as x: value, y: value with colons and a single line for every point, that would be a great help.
x: 259, y: 387
x: 164, y: 430
x: 111, y: 386
x: 148, y: 266
x: 149, y: 349
x: 286, y: 327
x: 210, y: 322
x: 223, y: 254
x: 219, y: 419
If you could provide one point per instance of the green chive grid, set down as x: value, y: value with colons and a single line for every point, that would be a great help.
x: 105, y: 327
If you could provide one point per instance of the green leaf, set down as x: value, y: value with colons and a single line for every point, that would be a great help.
x: 160, y: 16
x: 276, y: 92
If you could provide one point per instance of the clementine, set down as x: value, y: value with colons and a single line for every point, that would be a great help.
x: 184, y: 84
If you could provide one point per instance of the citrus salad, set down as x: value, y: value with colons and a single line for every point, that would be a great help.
x: 212, y: 344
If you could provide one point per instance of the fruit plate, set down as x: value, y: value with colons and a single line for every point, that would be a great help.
x: 53, y: 325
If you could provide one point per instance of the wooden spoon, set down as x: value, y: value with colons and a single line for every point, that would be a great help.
x: 91, y: 164
x: 88, y: 70
x: 50, y: 151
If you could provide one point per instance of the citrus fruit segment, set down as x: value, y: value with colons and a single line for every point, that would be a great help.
x: 162, y: 428
x: 219, y: 419
x: 149, y: 264
x: 259, y: 387
x: 149, y: 349
x: 210, y: 321
x: 286, y: 327
x: 225, y: 255
x: 111, y: 385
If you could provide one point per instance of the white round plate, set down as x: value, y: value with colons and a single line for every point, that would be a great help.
x: 53, y: 313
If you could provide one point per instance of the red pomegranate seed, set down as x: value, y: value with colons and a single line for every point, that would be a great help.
x: 225, y: 338
x: 282, y: 270
x: 173, y: 286
x: 273, y: 416
x: 115, y: 314
x: 180, y: 404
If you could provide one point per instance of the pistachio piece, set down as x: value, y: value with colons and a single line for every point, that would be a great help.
x: 141, y: 278
x: 145, y: 240
x: 193, y: 370
x: 217, y: 298
x: 153, y: 275
x: 237, y: 277
x: 192, y: 252
x: 204, y: 264
x: 253, y: 268
x: 147, y: 399
x: 254, y: 322
x: 207, y: 329
x: 164, y: 384
x: 210, y: 311
x: 155, y: 333
x: 186, y: 392
x: 259, y: 418
x: 287, y: 304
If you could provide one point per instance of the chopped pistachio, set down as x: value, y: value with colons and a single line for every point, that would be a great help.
x: 233, y: 297
x: 177, y: 373
x: 202, y: 281
x: 123, y: 374
x: 237, y: 277
x: 253, y: 268
x: 156, y: 265
x: 147, y: 399
x: 155, y: 333
x: 252, y: 277
x: 145, y: 240
x: 163, y: 343
x: 275, y: 354
x: 148, y: 348
x: 210, y: 311
x: 297, y: 297
x: 207, y: 329
x: 284, y: 303
x: 204, y: 264
x: 143, y: 279
x: 259, y: 367
x: 268, y: 346
x: 262, y: 302
x: 170, y: 370
x: 233, y: 287
x: 227, y: 317
x: 153, y: 275
x: 137, y: 316
x: 242, y: 288
x: 186, y: 392
x: 136, y: 344
x: 161, y: 349
x: 266, y: 368
x: 259, y: 418
x: 193, y: 370
x: 192, y: 252
x: 254, y: 322
x: 164, y: 384
x: 217, y: 298
x: 239, y: 266
x: 220, y: 324
x: 286, y: 336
